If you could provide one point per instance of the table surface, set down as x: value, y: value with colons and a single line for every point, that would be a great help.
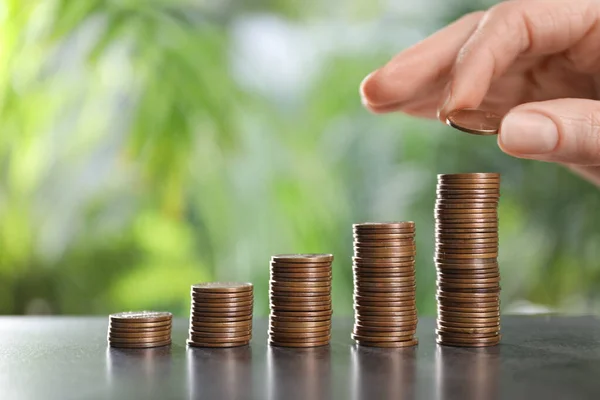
x: 67, y: 358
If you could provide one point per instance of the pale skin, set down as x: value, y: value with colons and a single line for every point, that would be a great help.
x: 537, y: 61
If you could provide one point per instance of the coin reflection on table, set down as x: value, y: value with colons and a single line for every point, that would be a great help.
x: 383, y: 373
x: 128, y: 370
x: 299, y: 374
x: 467, y: 373
x: 220, y: 373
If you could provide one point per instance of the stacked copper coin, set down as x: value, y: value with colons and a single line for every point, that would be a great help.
x: 139, y: 329
x: 300, y: 298
x: 221, y: 314
x: 468, y: 277
x: 384, y: 284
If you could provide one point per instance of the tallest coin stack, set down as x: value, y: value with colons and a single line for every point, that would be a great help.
x: 468, y: 278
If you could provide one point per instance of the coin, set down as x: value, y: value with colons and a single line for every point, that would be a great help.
x: 133, y: 335
x: 222, y: 287
x: 139, y: 340
x: 192, y: 343
x: 300, y: 318
x: 302, y: 258
x: 474, y: 121
x: 385, y: 225
x: 408, y: 343
x: 141, y: 316
x: 299, y: 344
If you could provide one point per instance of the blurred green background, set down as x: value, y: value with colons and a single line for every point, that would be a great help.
x: 149, y: 145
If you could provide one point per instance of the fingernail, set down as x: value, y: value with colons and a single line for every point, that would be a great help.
x: 528, y: 133
x: 363, y: 97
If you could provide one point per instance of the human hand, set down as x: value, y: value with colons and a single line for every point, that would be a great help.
x: 537, y: 61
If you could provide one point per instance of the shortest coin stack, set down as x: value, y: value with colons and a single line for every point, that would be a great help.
x: 300, y: 299
x: 221, y: 314
x: 384, y: 284
x: 139, y: 329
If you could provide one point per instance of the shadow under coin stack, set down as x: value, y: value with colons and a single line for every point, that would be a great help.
x: 140, y: 329
x: 384, y: 284
x: 300, y: 300
x: 221, y: 314
x: 468, y: 278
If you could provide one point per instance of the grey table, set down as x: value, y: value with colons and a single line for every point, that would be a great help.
x: 67, y: 358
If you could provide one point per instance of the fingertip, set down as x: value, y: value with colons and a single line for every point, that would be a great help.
x: 371, y: 88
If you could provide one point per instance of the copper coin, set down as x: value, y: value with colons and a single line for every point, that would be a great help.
x: 298, y: 339
x: 442, y: 236
x: 449, y: 285
x: 383, y: 313
x: 390, y: 295
x: 465, y: 230
x: 466, y: 246
x: 218, y: 339
x: 191, y: 343
x: 374, y: 320
x: 295, y: 265
x: 277, y: 334
x: 492, y: 241
x: 148, y: 339
x: 469, y: 331
x: 311, y: 299
x: 360, y: 233
x: 475, y: 303
x: 442, y: 252
x: 450, y: 197
x: 298, y: 319
x: 469, y: 325
x: 136, y: 325
x: 384, y: 236
x: 298, y: 291
x: 454, y: 273
x: 384, y: 285
x: 454, y: 335
x: 406, y: 330
x: 277, y: 309
x: 381, y: 339
x: 400, y: 303
x: 474, y: 345
x: 300, y: 324
x: 383, y: 263
x: 226, y: 308
x: 298, y: 295
x: 475, y: 122
x: 469, y: 175
x: 217, y: 300
x: 222, y: 325
x: 468, y: 263
x: 300, y: 270
x: 135, y: 336
x: 456, y: 212
x: 319, y: 331
x: 383, y: 242
x: 383, y: 272
x: 244, y: 329
x: 145, y: 345
x: 466, y: 280
x: 222, y: 287
x: 111, y: 328
x: 282, y: 313
x: 465, y: 318
x: 469, y: 185
x: 225, y: 304
x: 305, y: 305
x: 215, y: 336
x: 141, y: 316
x: 475, y: 309
x: 458, y: 340
x: 468, y: 295
x: 385, y: 225
x: 301, y: 279
x: 384, y: 253
x: 456, y: 256
x: 297, y: 274
x: 282, y: 284
x: 451, y: 203
x: 386, y: 327
x: 466, y: 218
x: 409, y: 343
x: 220, y: 318
x: 302, y: 258
x: 298, y: 344
x: 382, y: 279
x: 379, y: 336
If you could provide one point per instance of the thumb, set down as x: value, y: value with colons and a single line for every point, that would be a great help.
x: 564, y: 131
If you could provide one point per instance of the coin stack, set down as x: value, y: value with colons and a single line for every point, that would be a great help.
x: 221, y: 314
x: 139, y: 329
x: 384, y: 284
x: 468, y: 278
x: 300, y: 300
